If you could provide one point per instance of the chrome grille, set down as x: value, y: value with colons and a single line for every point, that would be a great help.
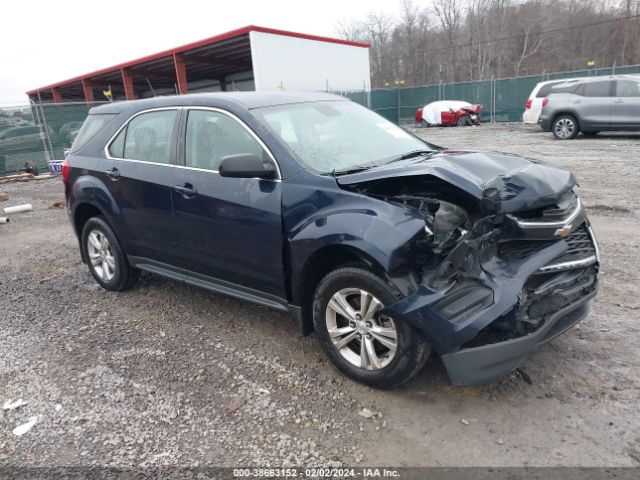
x: 581, y: 249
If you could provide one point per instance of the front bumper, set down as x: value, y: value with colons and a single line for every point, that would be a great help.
x: 491, y: 322
x: 473, y: 366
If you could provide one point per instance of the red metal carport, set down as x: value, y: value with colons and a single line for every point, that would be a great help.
x: 211, y: 64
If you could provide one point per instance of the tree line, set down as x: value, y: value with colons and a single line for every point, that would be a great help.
x: 446, y: 41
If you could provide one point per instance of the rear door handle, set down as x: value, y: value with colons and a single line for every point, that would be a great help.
x: 618, y: 100
x: 114, y: 173
x: 186, y: 190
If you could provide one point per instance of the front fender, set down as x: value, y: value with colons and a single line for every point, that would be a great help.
x: 316, y: 218
x: 381, y: 236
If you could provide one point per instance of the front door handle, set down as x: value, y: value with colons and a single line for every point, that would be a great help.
x: 186, y: 190
x: 114, y: 173
x: 618, y: 100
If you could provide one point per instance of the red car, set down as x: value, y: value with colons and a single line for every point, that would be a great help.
x: 449, y: 113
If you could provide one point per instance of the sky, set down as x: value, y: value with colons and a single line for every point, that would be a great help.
x: 43, y: 42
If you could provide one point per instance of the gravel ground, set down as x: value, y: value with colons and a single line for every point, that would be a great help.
x: 170, y: 375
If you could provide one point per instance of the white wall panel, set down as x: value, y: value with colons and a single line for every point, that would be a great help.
x: 294, y: 63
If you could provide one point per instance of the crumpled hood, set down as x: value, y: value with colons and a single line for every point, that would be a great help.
x: 503, y: 182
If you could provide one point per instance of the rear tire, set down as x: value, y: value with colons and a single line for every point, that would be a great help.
x: 368, y: 347
x: 106, y: 260
x: 565, y: 127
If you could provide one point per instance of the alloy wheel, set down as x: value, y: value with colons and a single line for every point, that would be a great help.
x: 101, y: 255
x: 358, y: 331
x: 564, y: 127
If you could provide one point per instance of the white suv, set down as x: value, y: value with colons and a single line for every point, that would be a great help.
x: 533, y: 105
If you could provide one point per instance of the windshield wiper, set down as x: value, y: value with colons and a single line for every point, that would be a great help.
x: 406, y: 156
x: 413, y: 153
x: 347, y: 171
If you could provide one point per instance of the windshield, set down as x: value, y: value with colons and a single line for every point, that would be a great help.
x: 338, y: 136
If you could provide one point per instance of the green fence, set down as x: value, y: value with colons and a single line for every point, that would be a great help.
x: 40, y: 133
x: 37, y: 134
x: 503, y: 98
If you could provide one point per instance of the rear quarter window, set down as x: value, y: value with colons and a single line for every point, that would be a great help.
x: 93, y: 124
x: 546, y: 89
x: 565, y: 89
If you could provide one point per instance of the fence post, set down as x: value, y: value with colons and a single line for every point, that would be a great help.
x: 398, y: 105
x: 495, y: 100
x: 34, y: 109
x: 491, y: 97
x: 44, y: 132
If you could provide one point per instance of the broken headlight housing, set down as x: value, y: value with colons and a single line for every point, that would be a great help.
x: 446, y: 225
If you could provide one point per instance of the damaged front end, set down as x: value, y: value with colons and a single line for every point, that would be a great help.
x: 497, y: 272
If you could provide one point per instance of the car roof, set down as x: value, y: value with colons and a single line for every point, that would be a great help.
x: 558, y: 80
x: 562, y: 81
x: 635, y: 77
x: 246, y: 100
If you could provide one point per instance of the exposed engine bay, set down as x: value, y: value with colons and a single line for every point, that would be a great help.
x: 472, y: 257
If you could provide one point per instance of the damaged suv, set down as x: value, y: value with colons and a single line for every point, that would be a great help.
x: 386, y: 246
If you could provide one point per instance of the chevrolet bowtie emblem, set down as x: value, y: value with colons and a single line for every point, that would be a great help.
x: 563, y: 232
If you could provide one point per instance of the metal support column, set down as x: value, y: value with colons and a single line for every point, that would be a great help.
x: 181, y: 72
x: 88, y: 91
x: 127, y: 81
x: 57, y: 97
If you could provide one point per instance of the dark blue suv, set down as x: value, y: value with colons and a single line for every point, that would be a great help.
x: 386, y: 246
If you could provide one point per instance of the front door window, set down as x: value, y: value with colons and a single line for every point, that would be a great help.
x: 211, y: 136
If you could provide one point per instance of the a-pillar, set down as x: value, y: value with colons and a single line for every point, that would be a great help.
x: 181, y: 72
x: 88, y: 91
x: 127, y: 81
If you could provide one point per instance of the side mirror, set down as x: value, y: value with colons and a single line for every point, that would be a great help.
x: 246, y: 165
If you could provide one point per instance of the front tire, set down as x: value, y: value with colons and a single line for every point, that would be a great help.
x: 565, y: 127
x: 106, y: 259
x: 363, y: 344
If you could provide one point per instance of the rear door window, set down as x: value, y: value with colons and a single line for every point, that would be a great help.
x: 627, y: 88
x: 147, y: 137
x: 116, y: 149
x: 597, y: 89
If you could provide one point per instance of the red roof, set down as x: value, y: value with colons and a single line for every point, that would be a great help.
x: 207, y: 41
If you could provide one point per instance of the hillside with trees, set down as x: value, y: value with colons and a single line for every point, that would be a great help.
x: 445, y: 41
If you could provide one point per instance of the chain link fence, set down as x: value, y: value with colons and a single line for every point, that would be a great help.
x: 503, y: 98
x: 37, y: 134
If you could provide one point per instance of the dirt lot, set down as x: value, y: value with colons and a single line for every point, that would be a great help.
x: 167, y: 374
